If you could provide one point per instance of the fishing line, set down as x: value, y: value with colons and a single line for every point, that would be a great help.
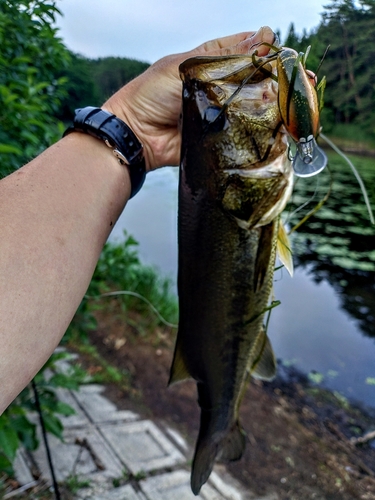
x: 137, y: 295
x: 317, y: 207
x: 307, y: 202
x: 45, y: 439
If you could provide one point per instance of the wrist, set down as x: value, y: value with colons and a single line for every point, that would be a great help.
x: 106, y: 176
x: 118, y: 104
x: 116, y: 135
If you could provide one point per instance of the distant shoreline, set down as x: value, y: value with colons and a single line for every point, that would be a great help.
x: 350, y: 148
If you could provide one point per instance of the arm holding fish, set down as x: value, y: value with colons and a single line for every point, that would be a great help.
x: 59, y: 209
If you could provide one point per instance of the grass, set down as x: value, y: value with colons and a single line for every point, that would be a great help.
x: 74, y: 483
x: 104, y: 372
x: 125, y: 297
x: 120, y: 278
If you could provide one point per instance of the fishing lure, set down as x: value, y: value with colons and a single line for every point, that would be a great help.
x: 299, y: 106
x: 299, y: 110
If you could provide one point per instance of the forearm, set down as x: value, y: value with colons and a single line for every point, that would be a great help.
x: 56, y: 214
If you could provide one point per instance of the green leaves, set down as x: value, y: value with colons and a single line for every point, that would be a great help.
x: 120, y: 270
x: 17, y: 427
x: 94, y: 80
x: 9, y: 149
x: 347, y: 27
x: 31, y: 57
x: 8, y: 439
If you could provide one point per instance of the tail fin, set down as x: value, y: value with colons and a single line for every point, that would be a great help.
x: 203, y: 463
x: 229, y: 447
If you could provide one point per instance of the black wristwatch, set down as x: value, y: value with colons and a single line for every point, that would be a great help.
x: 116, y: 135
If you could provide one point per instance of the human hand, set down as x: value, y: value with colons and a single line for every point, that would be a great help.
x: 151, y: 103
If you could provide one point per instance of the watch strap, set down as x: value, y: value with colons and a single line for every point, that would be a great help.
x: 118, y: 136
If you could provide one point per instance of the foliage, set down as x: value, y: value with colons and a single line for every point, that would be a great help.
x: 120, y: 269
x: 81, y: 88
x: 111, y: 73
x: 93, y: 81
x: 104, y: 373
x: 347, y: 27
x: 31, y: 55
x: 74, y: 483
x: 17, y: 424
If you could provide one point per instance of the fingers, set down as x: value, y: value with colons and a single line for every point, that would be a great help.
x: 224, y: 42
x: 241, y: 43
x: 264, y: 34
x: 312, y: 77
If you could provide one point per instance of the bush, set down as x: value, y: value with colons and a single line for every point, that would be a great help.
x: 31, y: 56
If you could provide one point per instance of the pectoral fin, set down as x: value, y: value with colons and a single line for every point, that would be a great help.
x: 264, y: 365
x: 179, y: 369
x: 283, y: 249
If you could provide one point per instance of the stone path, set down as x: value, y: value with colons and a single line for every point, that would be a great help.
x: 104, y: 448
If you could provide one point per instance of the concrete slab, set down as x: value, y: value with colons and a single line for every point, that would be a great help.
x: 98, y: 408
x: 126, y: 492
x: 176, y: 486
x: 79, y: 419
x: 21, y: 468
x: 100, y: 443
x: 141, y: 446
x: 177, y: 439
x: 84, y: 452
x: 222, y: 483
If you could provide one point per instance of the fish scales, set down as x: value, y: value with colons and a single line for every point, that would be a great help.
x: 230, y: 196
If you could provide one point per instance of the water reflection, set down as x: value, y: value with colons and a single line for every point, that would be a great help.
x: 338, y: 243
x: 151, y: 217
x: 331, y: 298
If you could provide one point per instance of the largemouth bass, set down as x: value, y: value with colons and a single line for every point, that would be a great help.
x: 235, y: 180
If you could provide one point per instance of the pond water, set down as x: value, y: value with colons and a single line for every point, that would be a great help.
x: 325, y: 325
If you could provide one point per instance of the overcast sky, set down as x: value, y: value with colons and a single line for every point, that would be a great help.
x: 150, y: 29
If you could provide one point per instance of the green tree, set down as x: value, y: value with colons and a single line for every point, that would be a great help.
x: 92, y: 81
x: 292, y: 40
x: 347, y: 27
x: 31, y: 56
x: 111, y: 73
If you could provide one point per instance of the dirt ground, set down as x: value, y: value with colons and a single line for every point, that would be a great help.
x: 299, y: 438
